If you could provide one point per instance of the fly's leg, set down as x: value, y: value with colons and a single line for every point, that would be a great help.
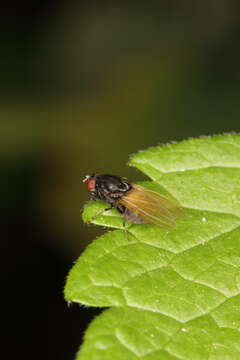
x: 133, y: 219
x: 126, y: 230
x: 101, y: 212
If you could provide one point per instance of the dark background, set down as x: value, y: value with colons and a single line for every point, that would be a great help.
x: 83, y: 85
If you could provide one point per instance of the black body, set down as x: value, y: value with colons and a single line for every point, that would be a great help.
x: 110, y: 188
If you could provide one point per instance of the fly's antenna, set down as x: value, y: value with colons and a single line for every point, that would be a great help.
x: 86, y: 178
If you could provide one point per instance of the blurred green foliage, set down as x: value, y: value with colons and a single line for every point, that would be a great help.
x: 85, y: 85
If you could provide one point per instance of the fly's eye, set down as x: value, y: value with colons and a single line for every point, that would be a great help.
x: 91, y: 183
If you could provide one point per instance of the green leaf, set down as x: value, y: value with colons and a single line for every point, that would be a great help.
x: 175, y: 294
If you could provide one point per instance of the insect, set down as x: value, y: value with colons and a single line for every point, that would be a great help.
x: 137, y: 203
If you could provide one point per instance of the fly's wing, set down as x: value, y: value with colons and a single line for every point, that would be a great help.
x: 152, y: 207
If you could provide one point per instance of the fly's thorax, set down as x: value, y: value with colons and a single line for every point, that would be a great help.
x: 111, y: 186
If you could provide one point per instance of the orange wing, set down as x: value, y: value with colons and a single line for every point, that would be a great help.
x: 152, y: 207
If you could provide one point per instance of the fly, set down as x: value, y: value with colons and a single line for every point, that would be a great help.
x: 137, y: 203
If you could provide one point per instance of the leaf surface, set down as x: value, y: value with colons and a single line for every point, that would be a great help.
x: 175, y: 294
